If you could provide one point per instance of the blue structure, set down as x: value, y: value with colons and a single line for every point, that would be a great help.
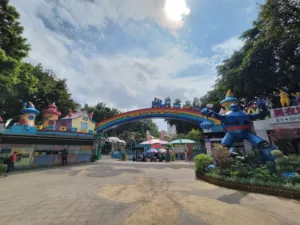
x: 238, y: 126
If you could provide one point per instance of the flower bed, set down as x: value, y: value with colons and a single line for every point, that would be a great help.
x: 247, y: 172
x: 289, y: 193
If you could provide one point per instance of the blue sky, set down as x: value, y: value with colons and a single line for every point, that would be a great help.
x: 126, y: 52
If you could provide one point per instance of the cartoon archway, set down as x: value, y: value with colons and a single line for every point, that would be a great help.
x: 166, y: 113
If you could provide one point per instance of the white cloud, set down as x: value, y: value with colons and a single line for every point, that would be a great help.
x: 123, y: 80
x: 228, y: 47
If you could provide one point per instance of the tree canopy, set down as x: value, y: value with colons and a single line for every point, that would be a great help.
x: 270, y: 57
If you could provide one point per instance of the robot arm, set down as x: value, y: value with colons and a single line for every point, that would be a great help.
x: 261, y: 115
x: 209, y: 113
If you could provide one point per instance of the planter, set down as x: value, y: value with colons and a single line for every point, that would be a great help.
x: 295, y: 194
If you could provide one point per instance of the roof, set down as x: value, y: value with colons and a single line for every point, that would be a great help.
x: 182, y: 141
x: 77, y: 115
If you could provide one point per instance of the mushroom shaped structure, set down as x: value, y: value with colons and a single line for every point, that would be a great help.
x: 28, y: 115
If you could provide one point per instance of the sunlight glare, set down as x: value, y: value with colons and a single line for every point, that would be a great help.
x: 176, y: 9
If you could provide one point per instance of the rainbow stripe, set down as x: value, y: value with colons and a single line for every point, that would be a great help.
x: 166, y: 113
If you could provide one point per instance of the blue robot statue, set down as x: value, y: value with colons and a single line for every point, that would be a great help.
x: 238, y: 125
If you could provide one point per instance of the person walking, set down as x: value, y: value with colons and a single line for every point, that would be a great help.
x: 11, y: 163
x: 65, y: 156
x: 185, y: 154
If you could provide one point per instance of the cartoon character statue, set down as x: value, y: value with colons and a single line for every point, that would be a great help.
x: 167, y: 102
x: 284, y: 98
x: 297, y: 98
x: 238, y: 125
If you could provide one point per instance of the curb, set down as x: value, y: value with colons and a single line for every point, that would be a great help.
x: 294, y: 194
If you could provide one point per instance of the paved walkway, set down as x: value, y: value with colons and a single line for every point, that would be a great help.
x: 111, y: 193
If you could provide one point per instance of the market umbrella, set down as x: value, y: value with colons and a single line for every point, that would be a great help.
x: 115, y: 140
x: 152, y: 150
x: 154, y: 141
x: 182, y: 141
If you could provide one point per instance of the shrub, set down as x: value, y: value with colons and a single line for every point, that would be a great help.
x: 288, y: 163
x: 202, y: 161
x: 271, y: 166
x: 2, y: 169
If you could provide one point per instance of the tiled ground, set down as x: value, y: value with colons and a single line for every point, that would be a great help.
x: 133, y: 193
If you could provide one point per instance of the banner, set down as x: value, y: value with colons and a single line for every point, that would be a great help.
x: 148, y: 135
x: 162, y: 135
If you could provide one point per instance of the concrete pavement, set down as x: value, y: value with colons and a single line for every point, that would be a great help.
x: 133, y: 193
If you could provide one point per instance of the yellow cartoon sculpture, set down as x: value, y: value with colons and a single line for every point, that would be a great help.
x: 297, y: 98
x: 284, y: 98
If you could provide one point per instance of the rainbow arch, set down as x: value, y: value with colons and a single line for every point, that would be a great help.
x: 166, y: 113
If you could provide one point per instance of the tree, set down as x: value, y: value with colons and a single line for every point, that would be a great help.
x: 195, y: 135
x: 269, y: 58
x: 11, y: 40
x: 39, y: 86
x: 9, y: 71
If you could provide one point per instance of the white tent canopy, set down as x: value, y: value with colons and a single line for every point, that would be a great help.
x: 115, y: 140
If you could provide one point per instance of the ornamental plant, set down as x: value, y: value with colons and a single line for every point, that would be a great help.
x: 202, y: 161
x: 220, y: 153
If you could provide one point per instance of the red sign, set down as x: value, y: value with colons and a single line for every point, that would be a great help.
x: 288, y: 111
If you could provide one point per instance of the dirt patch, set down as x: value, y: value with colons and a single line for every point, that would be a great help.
x: 160, y: 211
x: 143, y: 189
x: 215, y: 212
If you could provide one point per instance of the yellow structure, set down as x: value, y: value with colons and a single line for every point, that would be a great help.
x: 229, y: 99
x: 28, y: 115
x: 284, y: 98
x: 81, y: 122
x: 50, y: 116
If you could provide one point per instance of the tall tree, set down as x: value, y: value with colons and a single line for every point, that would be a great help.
x: 269, y: 58
x: 47, y: 89
x: 11, y: 39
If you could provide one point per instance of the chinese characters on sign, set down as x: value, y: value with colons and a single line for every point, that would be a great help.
x: 285, y: 115
x: 288, y: 111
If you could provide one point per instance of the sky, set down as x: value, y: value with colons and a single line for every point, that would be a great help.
x: 126, y: 52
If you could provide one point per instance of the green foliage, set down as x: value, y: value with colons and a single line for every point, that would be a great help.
x: 220, y: 153
x: 271, y: 167
x: 249, y: 170
x: 193, y: 134
x: 183, y: 127
x: 9, y: 71
x: 39, y: 86
x: 11, y: 40
x: 202, y: 161
x: 2, y: 169
x: 269, y: 58
x: 288, y: 163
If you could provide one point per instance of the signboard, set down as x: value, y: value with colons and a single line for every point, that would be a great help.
x: 208, y: 148
x: 285, y: 119
x: 284, y: 112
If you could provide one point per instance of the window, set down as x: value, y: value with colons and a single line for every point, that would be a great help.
x: 84, y: 126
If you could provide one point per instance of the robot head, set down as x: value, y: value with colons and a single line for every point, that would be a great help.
x: 234, y: 107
